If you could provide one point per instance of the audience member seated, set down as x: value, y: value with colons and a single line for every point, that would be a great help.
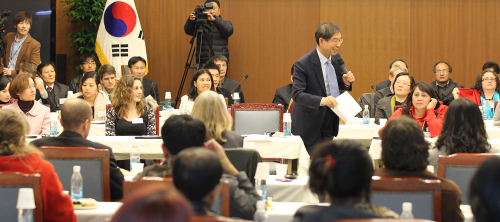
x: 492, y: 67
x: 211, y: 110
x: 343, y: 171
x: 283, y: 94
x: 152, y: 204
x: 402, y: 138
x: 89, y: 91
x: 484, y: 191
x: 425, y: 108
x: 225, y: 82
x: 444, y: 85
x: 5, y: 98
x: 17, y: 156
x: 463, y: 132
x: 76, y: 117
x: 379, y: 94
x: 129, y: 115
x: 488, y: 87
x: 183, y: 131
x: 137, y: 67
x: 108, y: 79
x: 402, y: 85
x: 214, y: 70
x: 22, y: 88
x: 201, y: 82
x: 55, y: 90
x: 387, y: 83
x: 42, y: 95
x: 88, y: 63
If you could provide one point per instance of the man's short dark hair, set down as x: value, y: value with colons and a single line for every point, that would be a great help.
x: 43, y: 64
x: 216, y: 1
x: 449, y: 67
x: 86, y: 56
x: 196, y: 172
x: 74, y: 112
x: 211, y: 65
x: 326, y: 31
x: 182, y: 131
x: 493, y: 65
x: 400, y: 60
x: 132, y: 61
x: 21, y: 17
x: 218, y: 58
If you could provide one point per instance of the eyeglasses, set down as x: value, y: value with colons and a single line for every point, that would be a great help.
x: 444, y: 71
x: 89, y: 63
x: 336, y: 41
x: 402, y: 83
x: 489, y: 80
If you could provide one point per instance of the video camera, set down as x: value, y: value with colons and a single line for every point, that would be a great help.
x: 199, y: 12
x: 3, y: 26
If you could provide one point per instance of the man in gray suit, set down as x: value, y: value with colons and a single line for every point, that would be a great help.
x: 56, y: 90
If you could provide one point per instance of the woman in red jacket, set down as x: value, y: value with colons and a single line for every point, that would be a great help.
x: 17, y: 156
x: 425, y: 108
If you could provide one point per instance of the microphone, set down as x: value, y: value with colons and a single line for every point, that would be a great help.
x: 342, y: 66
x: 373, y: 87
x: 246, y: 77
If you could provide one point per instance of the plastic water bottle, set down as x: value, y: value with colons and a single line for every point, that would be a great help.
x: 287, y: 124
x: 25, y: 215
x: 25, y: 205
x: 135, y: 155
x: 76, y: 184
x: 366, y: 116
x: 407, y: 214
x: 261, y: 214
x: 236, y: 98
x: 168, y: 97
x: 485, y: 110
x: 261, y: 187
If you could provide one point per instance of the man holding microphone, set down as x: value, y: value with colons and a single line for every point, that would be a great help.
x: 317, y: 81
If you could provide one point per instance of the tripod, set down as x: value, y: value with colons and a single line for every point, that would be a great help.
x: 197, y: 34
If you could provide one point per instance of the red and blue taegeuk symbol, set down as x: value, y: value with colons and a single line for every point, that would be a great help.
x: 119, y: 19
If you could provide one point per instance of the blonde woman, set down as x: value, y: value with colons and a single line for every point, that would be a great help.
x: 17, y: 156
x: 211, y: 110
x: 129, y: 115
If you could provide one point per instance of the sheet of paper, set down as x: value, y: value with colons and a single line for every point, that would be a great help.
x: 347, y: 107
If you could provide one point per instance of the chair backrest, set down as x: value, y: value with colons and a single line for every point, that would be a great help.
x: 256, y: 118
x: 460, y: 168
x: 425, y: 195
x: 221, y: 205
x: 10, y: 182
x: 367, y: 99
x: 244, y: 160
x: 94, y: 165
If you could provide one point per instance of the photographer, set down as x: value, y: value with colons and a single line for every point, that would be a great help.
x: 215, y: 35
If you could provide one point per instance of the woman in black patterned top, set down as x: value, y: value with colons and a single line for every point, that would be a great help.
x: 129, y: 116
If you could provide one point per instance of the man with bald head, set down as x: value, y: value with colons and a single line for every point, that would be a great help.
x: 76, y: 116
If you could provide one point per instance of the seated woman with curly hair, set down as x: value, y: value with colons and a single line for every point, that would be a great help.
x: 128, y: 115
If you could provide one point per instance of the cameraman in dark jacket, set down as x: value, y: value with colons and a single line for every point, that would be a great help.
x: 216, y: 33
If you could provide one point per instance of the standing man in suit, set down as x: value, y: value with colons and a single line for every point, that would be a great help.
x: 444, y: 85
x: 20, y: 46
x: 317, y: 81
x: 54, y: 89
x: 76, y: 116
x: 137, y: 67
x: 284, y: 94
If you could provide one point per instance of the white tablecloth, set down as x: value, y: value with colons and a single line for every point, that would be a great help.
x: 284, y: 211
x: 286, y: 148
x: 295, y: 191
x: 105, y: 210
x: 362, y: 134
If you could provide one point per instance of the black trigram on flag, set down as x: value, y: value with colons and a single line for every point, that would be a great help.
x: 120, y: 50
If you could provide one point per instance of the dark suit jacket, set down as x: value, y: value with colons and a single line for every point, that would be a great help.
x: 307, y: 91
x: 283, y: 96
x: 150, y: 88
x: 29, y: 52
x: 447, y: 96
x: 314, y: 213
x: 230, y: 85
x: 73, y: 139
x: 225, y: 92
x: 382, y: 85
x: 59, y: 91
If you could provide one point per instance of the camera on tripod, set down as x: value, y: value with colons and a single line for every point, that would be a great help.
x: 199, y: 12
x: 3, y: 26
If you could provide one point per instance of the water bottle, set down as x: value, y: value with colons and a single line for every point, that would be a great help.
x: 25, y: 205
x: 76, y: 184
x: 135, y: 155
x: 236, y: 98
x: 287, y: 124
x: 261, y: 214
x: 25, y: 215
x: 485, y: 110
x: 366, y: 116
x: 54, y: 117
x: 168, y: 97
x: 407, y: 214
x: 261, y: 187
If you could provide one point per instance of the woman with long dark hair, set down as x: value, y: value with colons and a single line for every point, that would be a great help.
x: 4, y: 91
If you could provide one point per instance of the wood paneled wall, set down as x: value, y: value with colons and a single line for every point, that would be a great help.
x: 270, y: 35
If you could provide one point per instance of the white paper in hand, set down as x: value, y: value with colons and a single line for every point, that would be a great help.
x: 347, y: 107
